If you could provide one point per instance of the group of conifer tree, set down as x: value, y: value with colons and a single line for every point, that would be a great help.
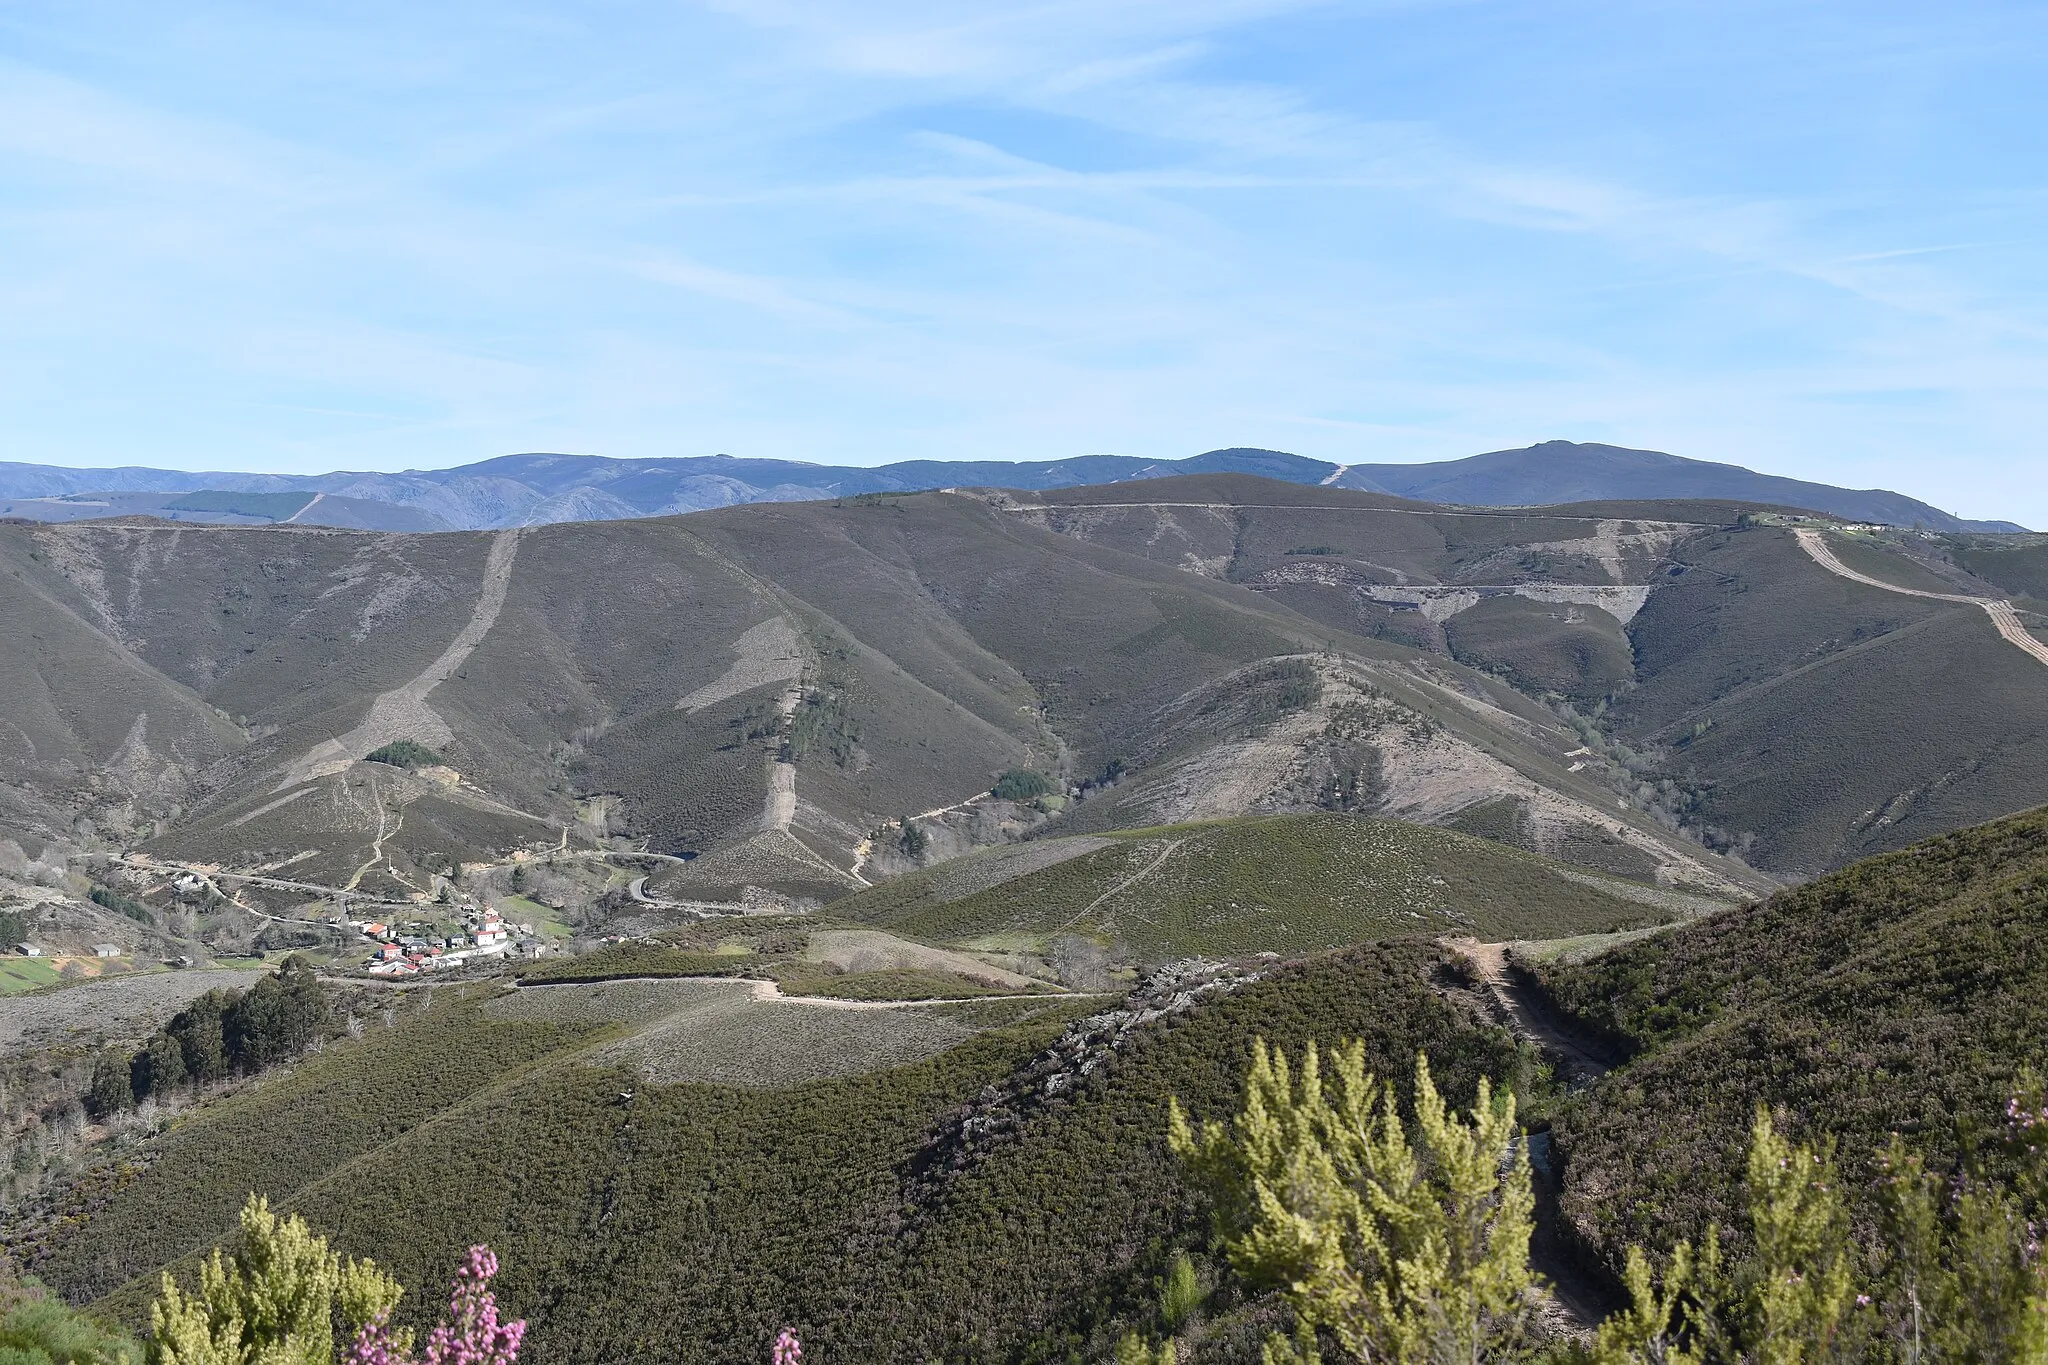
x: 221, y: 1034
x: 1409, y: 1244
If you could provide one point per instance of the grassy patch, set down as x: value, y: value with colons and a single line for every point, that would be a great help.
x: 1297, y: 883
x: 525, y: 910
x: 19, y: 974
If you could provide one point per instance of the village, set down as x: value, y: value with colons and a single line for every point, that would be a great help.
x: 416, y: 947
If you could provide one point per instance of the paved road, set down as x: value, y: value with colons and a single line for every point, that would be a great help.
x: 2000, y: 611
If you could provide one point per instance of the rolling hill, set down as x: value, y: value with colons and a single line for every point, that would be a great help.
x: 525, y: 490
x: 1290, y: 884
x: 1901, y: 994
x: 1720, y: 671
x: 782, y: 704
x: 1563, y: 471
x: 769, y: 687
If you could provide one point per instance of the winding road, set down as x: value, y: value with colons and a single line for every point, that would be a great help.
x: 1999, y: 610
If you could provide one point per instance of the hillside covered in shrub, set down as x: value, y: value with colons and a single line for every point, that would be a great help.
x: 641, y: 1221
x: 1903, y: 994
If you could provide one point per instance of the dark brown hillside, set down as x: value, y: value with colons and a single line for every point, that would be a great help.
x: 2016, y: 564
x: 902, y: 651
x: 1000, y: 614
x: 88, y: 724
x: 923, y: 645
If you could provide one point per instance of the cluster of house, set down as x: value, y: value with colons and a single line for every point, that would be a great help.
x: 412, y: 949
x: 37, y: 950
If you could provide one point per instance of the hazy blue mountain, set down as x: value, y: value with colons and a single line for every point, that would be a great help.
x: 532, y: 489
x: 1563, y: 471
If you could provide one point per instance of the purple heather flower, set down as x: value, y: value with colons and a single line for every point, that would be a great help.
x: 788, y: 1350
x: 470, y: 1335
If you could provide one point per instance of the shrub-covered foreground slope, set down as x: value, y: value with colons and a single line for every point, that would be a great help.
x: 690, y: 1222
x: 1900, y: 994
x: 1283, y: 883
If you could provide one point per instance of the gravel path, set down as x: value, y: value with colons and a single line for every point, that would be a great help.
x: 2001, y: 613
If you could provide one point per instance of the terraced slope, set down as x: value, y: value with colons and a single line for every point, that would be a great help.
x: 1779, y: 710
x: 1900, y: 994
x: 1288, y: 884
x: 694, y: 1221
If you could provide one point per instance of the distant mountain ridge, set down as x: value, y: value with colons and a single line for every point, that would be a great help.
x: 540, y: 489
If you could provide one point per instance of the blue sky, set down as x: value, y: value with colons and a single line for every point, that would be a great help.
x: 1805, y: 237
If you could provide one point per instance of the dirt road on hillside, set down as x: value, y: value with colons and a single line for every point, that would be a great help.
x: 1582, y: 1297
x: 767, y: 992
x: 2000, y: 611
x: 1529, y: 1018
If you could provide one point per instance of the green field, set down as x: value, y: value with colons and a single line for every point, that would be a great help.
x: 1286, y: 884
x: 524, y: 910
x: 18, y: 974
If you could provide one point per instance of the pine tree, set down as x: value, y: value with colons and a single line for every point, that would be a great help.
x: 112, y: 1088
x: 277, y: 1301
x: 1399, y: 1252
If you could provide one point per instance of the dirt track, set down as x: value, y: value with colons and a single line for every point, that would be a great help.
x: 2000, y: 611
x: 1580, y: 1297
x: 767, y: 992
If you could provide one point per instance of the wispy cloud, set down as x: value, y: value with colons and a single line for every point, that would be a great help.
x: 1028, y: 228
